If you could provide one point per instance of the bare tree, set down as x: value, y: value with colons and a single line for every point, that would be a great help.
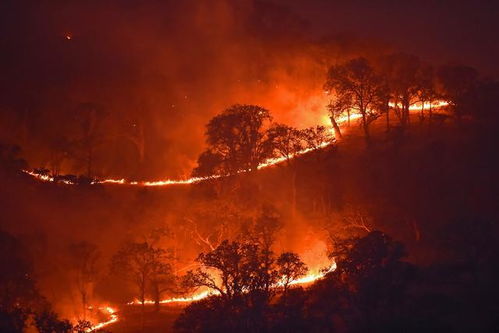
x: 208, y: 223
x: 455, y: 82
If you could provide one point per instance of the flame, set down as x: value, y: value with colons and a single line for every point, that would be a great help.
x: 309, y: 278
x: 312, y: 277
x: 270, y: 162
x: 113, y: 317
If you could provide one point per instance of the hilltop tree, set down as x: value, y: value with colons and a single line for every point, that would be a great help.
x: 357, y: 86
x: 285, y: 141
x: 317, y: 137
x: 336, y: 109
x: 426, y: 91
x: 456, y: 82
x: 401, y: 71
x: 236, y: 141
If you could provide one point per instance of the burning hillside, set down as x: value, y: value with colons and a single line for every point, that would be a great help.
x: 248, y: 166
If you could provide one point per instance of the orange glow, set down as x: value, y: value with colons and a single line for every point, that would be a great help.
x: 270, y: 162
x: 309, y: 278
x: 113, y: 317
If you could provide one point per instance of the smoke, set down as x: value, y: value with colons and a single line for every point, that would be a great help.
x: 167, y: 66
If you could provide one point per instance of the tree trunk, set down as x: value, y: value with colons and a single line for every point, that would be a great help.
x: 406, y: 110
x: 337, y: 131
x: 348, y: 117
x: 365, y: 126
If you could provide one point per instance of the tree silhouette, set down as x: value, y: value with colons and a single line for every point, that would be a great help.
x: 18, y: 294
x: 357, y: 86
x: 401, y: 71
x: 336, y: 109
x: 290, y: 268
x: 316, y: 137
x: 245, y: 276
x: 371, y: 270
x: 48, y: 322
x: 426, y: 91
x: 236, y: 141
x: 455, y: 83
x: 9, y: 158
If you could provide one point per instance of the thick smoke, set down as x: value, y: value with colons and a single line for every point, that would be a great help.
x: 161, y: 68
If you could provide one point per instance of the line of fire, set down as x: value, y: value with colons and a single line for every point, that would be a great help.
x: 249, y: 166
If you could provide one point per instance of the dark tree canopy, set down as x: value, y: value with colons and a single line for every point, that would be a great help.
x: 236, y: 141
x: 358, y: 87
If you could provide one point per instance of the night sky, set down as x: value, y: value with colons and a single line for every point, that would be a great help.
x: 444, y: 31
x: 456, y: 31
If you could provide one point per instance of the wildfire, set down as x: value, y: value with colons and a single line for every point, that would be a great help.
x: 270, y: 162
x: 309, y: 278
x: 113, y: 317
